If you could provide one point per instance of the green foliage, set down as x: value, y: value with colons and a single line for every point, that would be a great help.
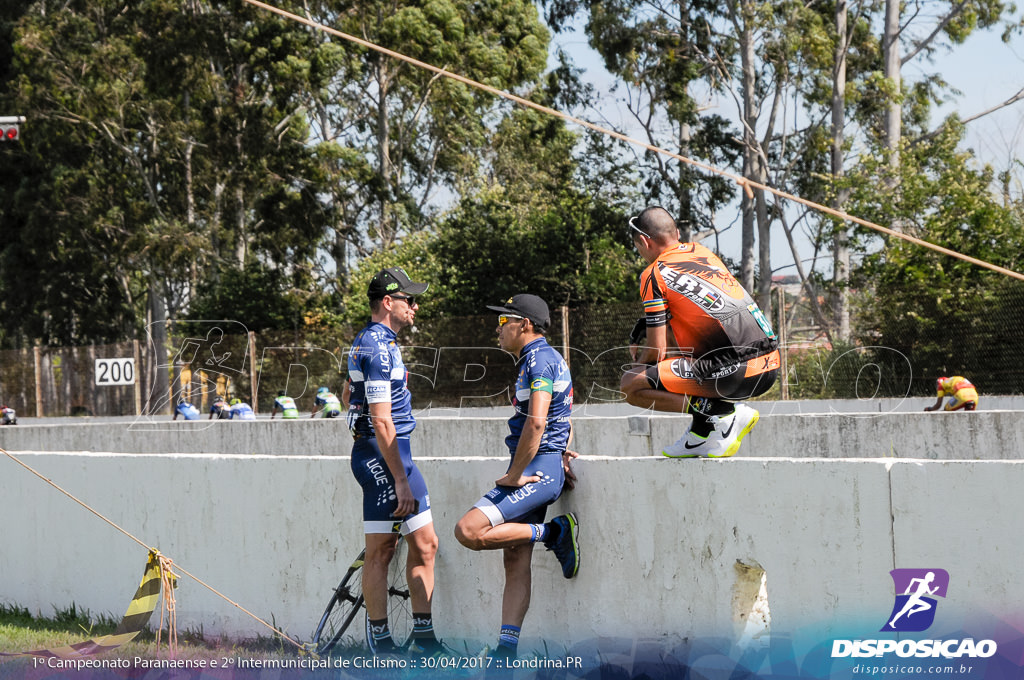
x: 172, y: 145
x: 569, y: 253
x: 532, y: 225
x: 661, y: 60
x: 846, y: 371
x: 935, y: 309
x: 410, y: 130
x: 257, y: 296
x: 158, y: 150
x: 217, y: 160
x: 415, y: 255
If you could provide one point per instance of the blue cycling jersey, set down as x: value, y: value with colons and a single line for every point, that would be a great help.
x: 541, y: 367
x: 242, y: 411
x: 188, y: 410
x: 378, y: 375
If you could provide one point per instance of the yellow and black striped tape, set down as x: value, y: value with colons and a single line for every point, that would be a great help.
x: 135, y: 619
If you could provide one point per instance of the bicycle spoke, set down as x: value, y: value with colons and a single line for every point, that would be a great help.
x: 345, y: 604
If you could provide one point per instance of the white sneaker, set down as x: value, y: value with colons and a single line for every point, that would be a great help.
x: 733, y: 428
x: 692, y: 445
x: 722, y: 442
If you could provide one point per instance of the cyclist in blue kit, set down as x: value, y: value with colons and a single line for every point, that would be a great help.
x: 186, y: 409
x: 510, y: 517
x: 395, y: 497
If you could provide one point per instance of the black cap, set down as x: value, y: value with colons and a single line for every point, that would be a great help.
x: 528, y: 306
x: 393, y: 280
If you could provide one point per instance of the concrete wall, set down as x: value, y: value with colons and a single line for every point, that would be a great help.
x: 982, y: 435
x: 661, y: 540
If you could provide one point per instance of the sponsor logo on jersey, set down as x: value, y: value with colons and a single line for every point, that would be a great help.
x: 682, y: 368
x: 701, y: 293
x: 722, y: 372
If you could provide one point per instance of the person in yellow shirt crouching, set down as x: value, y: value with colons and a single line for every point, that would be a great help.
x: 959, y: 390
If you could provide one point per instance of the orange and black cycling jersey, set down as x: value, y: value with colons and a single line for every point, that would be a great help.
x: 712, y: 318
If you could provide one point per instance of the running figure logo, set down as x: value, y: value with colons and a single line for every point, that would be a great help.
x: 914, y: 610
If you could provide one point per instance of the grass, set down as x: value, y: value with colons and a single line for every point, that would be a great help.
x: 20, y: 631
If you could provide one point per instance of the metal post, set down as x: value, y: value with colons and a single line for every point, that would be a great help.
x: 252, y: 369
x: 783, y: 350
x: 136, y: 354
x: 565, y: 333
x: 37, y: 353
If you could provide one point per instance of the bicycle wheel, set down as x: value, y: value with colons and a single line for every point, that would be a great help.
x: 399, y: 601
x: 346, y: 602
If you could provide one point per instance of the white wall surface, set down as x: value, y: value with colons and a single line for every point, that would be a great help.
x: 660, y: 539
x: 982, y: 435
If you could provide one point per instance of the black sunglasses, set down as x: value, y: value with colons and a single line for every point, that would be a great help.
x: 409, y: 299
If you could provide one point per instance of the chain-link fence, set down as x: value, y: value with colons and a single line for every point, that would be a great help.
x: 454, y: 362
x: 88, y: 380
x: 977, y: 334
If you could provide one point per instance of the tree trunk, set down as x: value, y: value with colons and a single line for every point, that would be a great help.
x: 685, y: 222
x: 190, y: 198
x: 764, y: 250
x: 894, y: 109
x: 891, y: 49
x: 841, y: 240
x: 684, y: 194
x: 750, y: 146
x: 240, y: 240
x: 216, y: 224
x: 385, y: 167
x: 160, y: 387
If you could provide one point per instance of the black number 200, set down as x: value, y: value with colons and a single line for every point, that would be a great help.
x: 115, y: 371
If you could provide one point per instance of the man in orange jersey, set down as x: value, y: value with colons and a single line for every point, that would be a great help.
x: 961, y: 393
x: 728, y: 350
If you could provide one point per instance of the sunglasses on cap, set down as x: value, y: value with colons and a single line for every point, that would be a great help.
x: 637, y: 229
x: 409, y: 299
x: 505, y: 318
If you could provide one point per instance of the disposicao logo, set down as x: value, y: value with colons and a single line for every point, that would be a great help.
x: 914, y: 609
x: 912, y: 612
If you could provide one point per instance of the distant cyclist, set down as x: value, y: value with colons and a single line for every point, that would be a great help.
x: 962, y: 394
x: 241, y: 410
x: 326, y: 404
x: 284, y: 403
x: 220, y: 409
x: 186, y: 410
x: 8, y: 416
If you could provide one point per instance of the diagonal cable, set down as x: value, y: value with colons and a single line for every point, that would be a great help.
x: 124, y: 531
x: 748, y: 185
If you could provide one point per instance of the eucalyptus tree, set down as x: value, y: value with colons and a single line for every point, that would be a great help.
x: 930, y: 306
x: 168, y: 143
x: 778, y: 50
x: 662, y: 54
x: 398, y: 139
x: 886, y: 106
x: 917, y: 31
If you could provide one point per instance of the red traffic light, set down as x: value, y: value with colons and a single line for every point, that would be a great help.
x: 9, y: 133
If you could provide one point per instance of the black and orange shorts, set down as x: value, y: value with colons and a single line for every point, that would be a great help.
x: 734, y: 382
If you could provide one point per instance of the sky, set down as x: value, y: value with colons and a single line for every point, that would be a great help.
x: 988, y: 72
x: 984, y: 70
